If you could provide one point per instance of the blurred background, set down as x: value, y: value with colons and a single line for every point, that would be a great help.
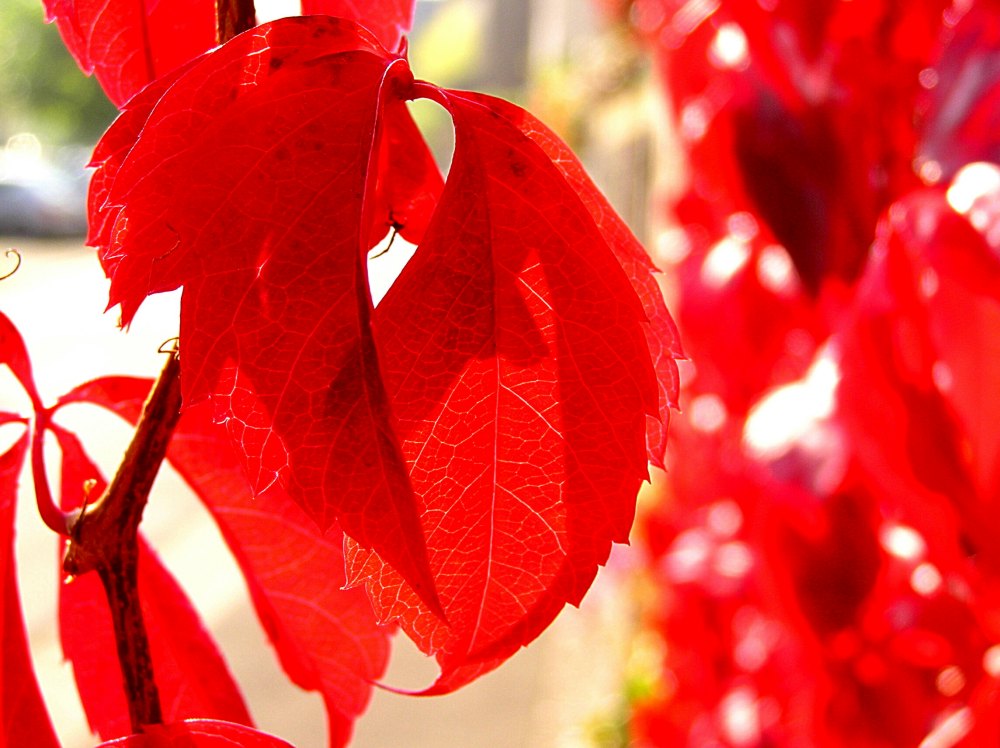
x: 586, y: 81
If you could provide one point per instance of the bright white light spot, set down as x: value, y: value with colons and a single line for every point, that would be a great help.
x: 902, y: 542
x: 926, y: 579
x: 268, y: 10
x: 991, y: 661
x: 729, y: 48
x: 694, y: 120
x: 973, y: 181
x: 385, y: 266
x: 739, y: 717
x: 673, y: 245
x: 743, y: 226
x: 733, y: 560
x: 725, y: 518
x: 724, y: 260
x: 929, y: 283
x: 708, y: 413
x: 950, y: 730
x: 687, y: 556
x: 950, y: 681
x: 775, y: 270
x: 930, y: 171
x: 942, y: 376
x: 786, y: 415
x: 21, y: 160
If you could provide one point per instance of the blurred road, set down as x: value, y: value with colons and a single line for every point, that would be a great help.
x: 543, y: 698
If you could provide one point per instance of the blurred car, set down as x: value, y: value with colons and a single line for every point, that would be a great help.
x: 47, y: 208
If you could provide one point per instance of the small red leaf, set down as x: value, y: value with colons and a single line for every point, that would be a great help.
x: 325, y: 636
x: 389, y: 20
x: 274, y: 329
x: 130, y: 43
x: 14, y: 356
x: 192, y: 677
x: 198, y: 733
x: 520, y: 376
x: 23, y: 719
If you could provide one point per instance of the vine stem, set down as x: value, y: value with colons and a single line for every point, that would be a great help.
x: 234, y: 17
x: 103, y: 537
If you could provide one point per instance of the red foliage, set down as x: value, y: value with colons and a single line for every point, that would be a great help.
x: 825, y: 550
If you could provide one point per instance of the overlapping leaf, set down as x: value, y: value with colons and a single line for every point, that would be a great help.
x: 325, y: 636
x: 512, y: 377
x: 268, y: 245
x: 389, y: 20
x: 519, y: 374
x: 130, y: 43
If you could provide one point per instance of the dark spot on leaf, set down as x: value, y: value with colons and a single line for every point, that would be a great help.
x: 276, y: 63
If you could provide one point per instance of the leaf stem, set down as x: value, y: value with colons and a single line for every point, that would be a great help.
x: 53, y: 517
x: 103, y: 537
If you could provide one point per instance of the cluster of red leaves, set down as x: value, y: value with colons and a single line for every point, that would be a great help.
x: 467, y: 452
x: 825, y: 551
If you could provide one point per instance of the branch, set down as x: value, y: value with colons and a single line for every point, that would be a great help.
x: 104, y: 538
x: 234, y: 17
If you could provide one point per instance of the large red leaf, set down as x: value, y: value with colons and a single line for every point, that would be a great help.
x: 269, y: 247
x: 130, y: 43
x: 23, y: 719
x: 192, y: 678
x: 198, y: 733
x: 324, y: 635
x: 520, y: 376
x: 389, y: 20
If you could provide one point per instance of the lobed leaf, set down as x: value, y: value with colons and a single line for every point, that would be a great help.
x: 513, y: 349
x: 128, y: 44
x: 269, y: 247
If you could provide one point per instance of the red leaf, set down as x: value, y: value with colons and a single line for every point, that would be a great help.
x: 14, y: 355
x: 519, y: 374
x: 130, y: 43
x: 198, y: 733
x: 389, y: 20
x: 192, y: 677
x: 23, y: 719
x: 276, y: 332
x: 661, y: 332
x: 324, y: 635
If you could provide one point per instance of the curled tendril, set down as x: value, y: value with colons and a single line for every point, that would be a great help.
x: 17, y: 263
x: 170, y: 345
